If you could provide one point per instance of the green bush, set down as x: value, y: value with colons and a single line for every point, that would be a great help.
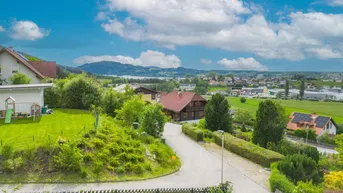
x: 193, y: 132
x: 7, y: 151
x: 248, y: 150
x: 308, y: 187
x: 279, y: 181
x: 11, y: 165
x: 19, y: 78
x: 53, y: 97
x: 303, y: 133
x: 299, y: 167
x: 120, y: 170
x: 114, y: 162
x: 69, y: 158
x: 98, y: 143
x: 325, y: 138
x: 246, y: 136
x: 243, y: 100
x: 98, y: 166
x: 83, y: 173
x: 138, y: 169
x: 289, y: 148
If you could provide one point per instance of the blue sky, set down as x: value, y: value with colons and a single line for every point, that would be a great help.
x: 275, y: 35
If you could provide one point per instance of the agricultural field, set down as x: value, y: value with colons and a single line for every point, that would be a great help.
x: 330, y: 109
x: 217, y: 88
x: 68, y: 123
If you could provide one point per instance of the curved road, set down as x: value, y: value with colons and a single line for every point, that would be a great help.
x: 199, y: 168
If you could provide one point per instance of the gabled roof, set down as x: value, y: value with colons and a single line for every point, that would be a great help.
x: 46, y: 68
x: 318, y: 122
x: 176, y: 101
x: 22, y: 60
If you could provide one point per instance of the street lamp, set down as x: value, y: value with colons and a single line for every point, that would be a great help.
x: 222, y: 132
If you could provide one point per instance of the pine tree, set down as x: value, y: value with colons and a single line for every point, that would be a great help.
x: 269, y: 124
x: 217, y: 114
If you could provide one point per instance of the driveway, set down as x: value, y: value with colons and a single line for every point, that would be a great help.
x: 200, y: 168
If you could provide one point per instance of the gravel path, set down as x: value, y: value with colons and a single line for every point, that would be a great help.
x: 200, y: 168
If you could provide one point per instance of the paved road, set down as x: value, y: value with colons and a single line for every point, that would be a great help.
x: 200, y: 168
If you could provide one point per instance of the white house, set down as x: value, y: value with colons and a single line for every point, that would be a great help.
x: 187, y: 87
x: 25, y: 96
x: 12, y: 62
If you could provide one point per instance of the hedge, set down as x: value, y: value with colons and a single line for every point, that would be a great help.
x: 248, y: 150
x: 279, y: 181
x: 193, y: 132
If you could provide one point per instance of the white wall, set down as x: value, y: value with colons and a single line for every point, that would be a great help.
x: 32, y: 95
x: 8, y: 63
x: 332, y: 130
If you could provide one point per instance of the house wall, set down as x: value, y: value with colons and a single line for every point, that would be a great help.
x: 331, y: 128
x: 24, y: 98
x: 8, y: 63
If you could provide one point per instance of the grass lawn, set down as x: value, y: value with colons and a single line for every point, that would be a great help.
x: 63, y: 122
x: 331, y: 109
x: 217, y: 88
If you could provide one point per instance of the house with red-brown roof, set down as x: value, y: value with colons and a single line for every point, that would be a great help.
x: 183, y: 106
x: 12, y: 62
x: 320, y: 124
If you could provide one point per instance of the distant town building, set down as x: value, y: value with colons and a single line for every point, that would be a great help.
x: 187, y: 87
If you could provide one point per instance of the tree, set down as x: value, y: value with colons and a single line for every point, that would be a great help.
x: 153, y: 119
x: 243, y: 116
x: 243, y: 99
x: 111, y: 101
x: 299, y: 167
x: 287, y: 89
x: 270, y: 124
x: 131, y: 111
x: 302, y: 89
x: 81, y: 92
x: 217, y: 114
x: 19, y: 78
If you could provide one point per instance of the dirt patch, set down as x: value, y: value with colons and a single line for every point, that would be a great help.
x: 253, y: 171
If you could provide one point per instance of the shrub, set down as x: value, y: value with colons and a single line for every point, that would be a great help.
x: 138, y: 169
x: 279, y: 181
x: 303, y: 133
x: 98, y: 166
x: 289, y: 148
x: 325, y: 138
x: 334, y: 181
x: 19, y: 78
x: 120, y: 170
x: 114, y: 162
x: 193, y: 132
x: 11, y: 165
x: 88, y: 157
x: 53, y: 97
x: 69, y: 158
x: 246, y: 136
x: 299, y: 167
x: 248, y: 150
x: 7, y: 151
x: 202, y: 124
x: 308, y: 187
x: 83, y: 173
x: 163, y: 154
x: 30, y: 153
x: 98, y: 143
x: 243, y: 100
x: 128, y: 167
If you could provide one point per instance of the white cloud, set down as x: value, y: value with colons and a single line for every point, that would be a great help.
x: 101, y: 16
x: 335, y: 2
x: 147, y: 58
x: 225, y: 24
x: 2, y: 29
x: 205, y: 61
x: 27, y: 30
x: 325, y: 53
x: 243, y: 64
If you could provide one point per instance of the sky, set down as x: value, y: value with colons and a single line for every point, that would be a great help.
x: 262, y: 35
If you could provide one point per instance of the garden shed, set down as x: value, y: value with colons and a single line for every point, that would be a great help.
x: 25, y: 96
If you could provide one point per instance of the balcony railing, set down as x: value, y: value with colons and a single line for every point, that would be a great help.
x: 194, y: 108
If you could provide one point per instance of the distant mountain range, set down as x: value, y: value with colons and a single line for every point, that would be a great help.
x: 118, y: 69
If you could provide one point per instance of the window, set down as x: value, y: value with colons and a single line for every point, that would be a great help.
x: 330, y: 125
x: 201, y: 113
x: 185, y: 115
x: 15, y: 68
x: 193, y: 115
x: 153, y: 96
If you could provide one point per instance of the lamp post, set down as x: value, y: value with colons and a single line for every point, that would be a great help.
x: 222, y: 172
